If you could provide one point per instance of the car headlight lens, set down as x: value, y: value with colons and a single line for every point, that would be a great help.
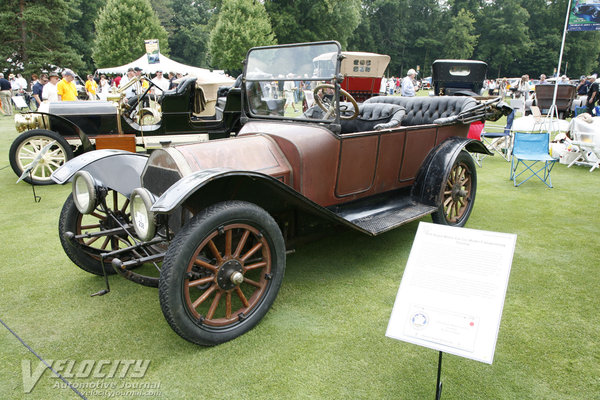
x: 84, y: 192
x: 141, y: 216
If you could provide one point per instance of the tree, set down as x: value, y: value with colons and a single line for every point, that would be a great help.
x: 121, y: 29
x: 504, y: 37
x: 81, y: 29
x: 313, y: 20
x: 32, y: 38
x: 460, y: 41
x: 191, y: 29
x: 241, y: 24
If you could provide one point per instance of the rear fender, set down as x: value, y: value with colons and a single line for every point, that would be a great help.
x: 117, y: 169
x: 436, y: 168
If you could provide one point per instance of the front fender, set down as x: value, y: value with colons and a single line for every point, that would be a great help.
x: 436, y: 168
x: 85, y: 141
x: 117, y: 169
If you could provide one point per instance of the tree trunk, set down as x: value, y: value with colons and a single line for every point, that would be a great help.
x: 23, y: 33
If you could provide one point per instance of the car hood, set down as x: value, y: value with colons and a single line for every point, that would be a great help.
x: 64, y: 108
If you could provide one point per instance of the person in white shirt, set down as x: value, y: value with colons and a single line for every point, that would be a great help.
x: 161, y: 82
x: 22, y: 82
x: 408, y: 88
x: 49, y: 91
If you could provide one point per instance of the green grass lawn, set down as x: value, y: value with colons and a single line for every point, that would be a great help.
x: 324, y: 337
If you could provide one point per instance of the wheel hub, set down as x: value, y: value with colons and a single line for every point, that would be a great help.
x: 230, y: 275
x: 458, y: 192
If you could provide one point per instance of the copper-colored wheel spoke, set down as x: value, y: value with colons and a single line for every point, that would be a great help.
x: 204, y: 296
x: 213, y: 306
x: 447, y: 201
x: 125, y: 206
x: 253, y: 250
x: 253, y: 283
x: 95, y: 214
x: 90, y: 226
x: 228, y: 305
x: 215, y: 251
x: 105, y: 243
x: 115, y: 200
x: 201, y: 281
x: 92, y: 240
x: 241, y: 244
x: 240, y: 294
x: 206, y: 265
x: 228, y: 243
x: 255, y: 266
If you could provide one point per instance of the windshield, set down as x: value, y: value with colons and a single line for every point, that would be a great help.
x: 281, y: 82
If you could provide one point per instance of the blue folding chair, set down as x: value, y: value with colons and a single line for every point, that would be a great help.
x: 530, y: 149
x: 499, y: 139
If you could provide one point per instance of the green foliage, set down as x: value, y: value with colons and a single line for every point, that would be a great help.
x: 241, y: 24
x: 121, y: 29
x: 32, y: 37
x: 80, y: 29
x: 504, y: 37
x: 314, y: 20
x: 460, y: 41
x: 191, y: 29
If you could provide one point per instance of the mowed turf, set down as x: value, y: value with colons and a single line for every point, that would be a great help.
x: 324, y: 337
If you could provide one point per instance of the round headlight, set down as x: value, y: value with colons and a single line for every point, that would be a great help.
x: 84, y: 192
x: 141, y: 216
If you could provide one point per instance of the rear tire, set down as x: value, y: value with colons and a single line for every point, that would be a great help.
x: 457, y: 192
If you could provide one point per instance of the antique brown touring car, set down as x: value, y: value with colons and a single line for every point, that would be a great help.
x: 216, y: 218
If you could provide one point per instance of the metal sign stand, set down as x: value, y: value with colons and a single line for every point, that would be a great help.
x: 438, y: 387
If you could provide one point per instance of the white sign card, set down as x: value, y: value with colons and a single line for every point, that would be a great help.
x: 452, y: 292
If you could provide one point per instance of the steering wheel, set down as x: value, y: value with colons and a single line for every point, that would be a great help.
x: 330, y: 108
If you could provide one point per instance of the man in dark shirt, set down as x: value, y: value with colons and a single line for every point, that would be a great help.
x: 5, y: 95
x: 592, y: 96
x: 38, y: 88
x: 583, y: 86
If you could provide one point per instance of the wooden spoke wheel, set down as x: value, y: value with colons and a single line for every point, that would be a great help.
x: 222, y: 272
x: 85, y: 252
x: 458, y: 192
x: 29, y: 146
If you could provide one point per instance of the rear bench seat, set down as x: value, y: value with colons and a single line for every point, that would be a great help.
x: 425, y: 110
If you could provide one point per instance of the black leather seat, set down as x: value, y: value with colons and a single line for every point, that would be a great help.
x: 372, y: 115
x: 425, y: 110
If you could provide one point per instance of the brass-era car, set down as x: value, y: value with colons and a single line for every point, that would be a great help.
x: 216, y: 218
x: 192, y: 112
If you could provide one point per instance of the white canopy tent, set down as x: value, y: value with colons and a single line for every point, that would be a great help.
x: 166, y: 65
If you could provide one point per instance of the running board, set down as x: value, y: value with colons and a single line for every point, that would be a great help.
x: 382, y: 213
x: 390, y: 219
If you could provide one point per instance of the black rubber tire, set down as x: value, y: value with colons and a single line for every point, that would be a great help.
x: 215, y: 220
x: 465, y: 166
x: 86, y: 258
x: 61, y: 149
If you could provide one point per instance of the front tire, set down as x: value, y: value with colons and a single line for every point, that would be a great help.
x: 29, y: 145
x: 222, y: 272
x: 457, y: 192
x: 85, y: 252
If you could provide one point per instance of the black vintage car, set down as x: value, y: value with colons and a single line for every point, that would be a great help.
x: 213, y: 221
x: 458, y: 77
x: 192, y: 112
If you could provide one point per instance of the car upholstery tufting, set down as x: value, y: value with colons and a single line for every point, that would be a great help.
x: 425, y: 110
x: 370, y: 115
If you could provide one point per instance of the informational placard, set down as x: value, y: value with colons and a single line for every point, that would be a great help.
x: 452, y: 292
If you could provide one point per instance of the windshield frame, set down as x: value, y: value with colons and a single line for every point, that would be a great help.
x: 247, y: 110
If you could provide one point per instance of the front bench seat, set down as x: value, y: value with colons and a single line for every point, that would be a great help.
x: 374, y: 117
